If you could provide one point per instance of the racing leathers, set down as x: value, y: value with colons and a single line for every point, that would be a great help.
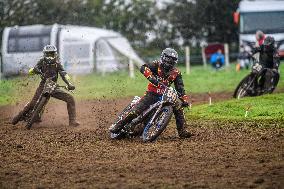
x: 48, y: 69
x: 155, y: 73
x: 267, y: 59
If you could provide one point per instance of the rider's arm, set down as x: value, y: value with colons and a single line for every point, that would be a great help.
x: 179, y: 86
x: 65, y: 77
x: 36, y: 69
x: 147, y: 71
x: 276, y: 60
x: 255, y: 50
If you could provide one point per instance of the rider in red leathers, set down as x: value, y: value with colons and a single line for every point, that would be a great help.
x: 160, y: 72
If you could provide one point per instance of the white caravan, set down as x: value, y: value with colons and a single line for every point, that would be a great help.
x: 267, y: 16
x: 81, y: 49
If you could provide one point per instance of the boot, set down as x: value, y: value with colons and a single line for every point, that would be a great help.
x: 183, y: 133
x: 71, y: 108
x: 73, y: 123
x: 115, y: 128
x: 180, y: 122
x: 17, y: 118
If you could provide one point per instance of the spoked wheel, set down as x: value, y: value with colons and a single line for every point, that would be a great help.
x: 245, y: 87
x: 37, y: 112
x: 152, y: 131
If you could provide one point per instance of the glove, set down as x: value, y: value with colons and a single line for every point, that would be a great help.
x: 184, y: 100
x: 275, y: 70
x: 257, y: 67
x: 153, y: 80
x: 71, y: 87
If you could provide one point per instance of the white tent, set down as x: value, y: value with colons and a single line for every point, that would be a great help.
x: 83, y: 49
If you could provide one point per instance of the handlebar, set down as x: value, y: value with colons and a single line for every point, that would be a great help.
x: 166, y: 87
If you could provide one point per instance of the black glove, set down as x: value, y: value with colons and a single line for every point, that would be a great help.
x: 185, y: 101
x: 153, y: 80
x: 71, y: 87
x: 185, y: 104
x: 275, y: 70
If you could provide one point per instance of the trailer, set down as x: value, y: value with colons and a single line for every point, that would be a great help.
x: 267, y: 16
x: 81, y: 49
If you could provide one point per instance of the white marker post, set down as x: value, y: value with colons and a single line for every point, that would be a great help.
x: 203, y: 57
x: 131, y: 68
x: 226, y: 49
x: 210, y: 99
x: 187, y: 59
x: 247, y: 110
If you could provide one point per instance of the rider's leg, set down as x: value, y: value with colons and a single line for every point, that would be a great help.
x: 71, y: 107
x: 181, y: 122
x: 143, y: 104
x: 271, y: 80
x: 28, y: 106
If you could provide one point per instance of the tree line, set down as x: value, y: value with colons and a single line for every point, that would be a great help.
x: 146, y: 23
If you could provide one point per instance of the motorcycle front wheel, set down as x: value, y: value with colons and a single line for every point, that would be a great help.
x: 36, y: 112
x: 153, y: 130
x: 244, y: 87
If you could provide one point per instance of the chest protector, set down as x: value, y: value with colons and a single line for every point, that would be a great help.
x: 166, y: 78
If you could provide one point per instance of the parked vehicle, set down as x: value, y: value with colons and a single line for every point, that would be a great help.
x: 266, y: 16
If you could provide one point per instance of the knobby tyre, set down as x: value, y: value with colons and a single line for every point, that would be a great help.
x: 36, y: 113
x: 152, y: 131
x: 242, y: 88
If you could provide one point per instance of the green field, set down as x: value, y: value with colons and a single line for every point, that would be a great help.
x: 266, y: 108
x: 117, y: 85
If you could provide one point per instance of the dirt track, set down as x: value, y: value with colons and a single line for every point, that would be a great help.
x: 52, y: 155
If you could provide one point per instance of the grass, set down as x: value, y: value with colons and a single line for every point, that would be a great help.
x: 117, y: 85
x: 262, y: 108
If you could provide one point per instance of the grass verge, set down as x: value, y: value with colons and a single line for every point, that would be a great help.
x: 262, y: 110
x: 117, y: 85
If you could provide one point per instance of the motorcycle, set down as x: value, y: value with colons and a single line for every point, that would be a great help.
x: 254, y: 83
x: 151, y: 122
x: 34, y: 114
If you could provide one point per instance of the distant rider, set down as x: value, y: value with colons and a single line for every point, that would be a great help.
x: 49, y: 67
x: 163, y: 71
x: 268, y: 58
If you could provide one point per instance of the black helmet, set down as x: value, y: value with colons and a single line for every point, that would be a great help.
x: 50, y: 52
x: 169, y: 58
x: 269, y: 44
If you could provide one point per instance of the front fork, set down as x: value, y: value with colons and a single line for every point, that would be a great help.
x: 146, y: 113
x: 37, y: 103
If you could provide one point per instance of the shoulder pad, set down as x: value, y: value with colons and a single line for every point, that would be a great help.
x: 156, y: 62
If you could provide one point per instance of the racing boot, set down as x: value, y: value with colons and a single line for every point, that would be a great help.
x: 73, y: 123
x: 180, y: 123
x: 71, y: 108
x: 17, y: 118
x: 115, y: 128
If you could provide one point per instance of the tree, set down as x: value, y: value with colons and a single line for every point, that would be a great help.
x: 203, y: 19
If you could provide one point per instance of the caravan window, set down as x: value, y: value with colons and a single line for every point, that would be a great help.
x: 27, y: 44
x: 28, y: 40
x: 268, y: 22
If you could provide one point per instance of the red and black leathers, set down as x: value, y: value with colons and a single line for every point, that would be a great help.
x: 155, y: 74
x: 268, y: 59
